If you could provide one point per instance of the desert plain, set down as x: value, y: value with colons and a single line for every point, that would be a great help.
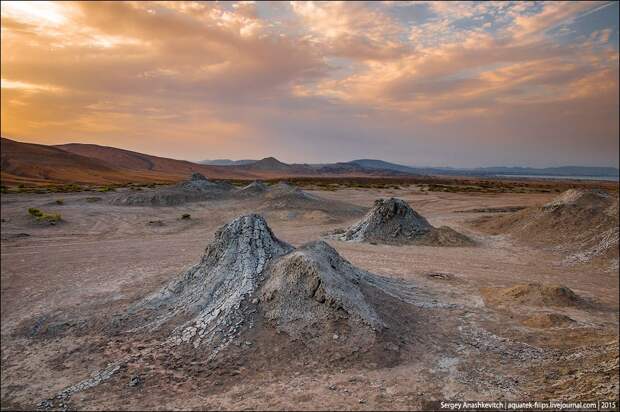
x: 464, y: 332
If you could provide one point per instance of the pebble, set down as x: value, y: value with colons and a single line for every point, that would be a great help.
x: 135, y: 381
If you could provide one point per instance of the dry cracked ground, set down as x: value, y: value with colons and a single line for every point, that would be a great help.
x: 467, y: 335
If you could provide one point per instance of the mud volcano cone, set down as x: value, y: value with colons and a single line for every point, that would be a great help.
x: 393, y: 221
x: 581, y: 223
x: 197, y: 188
x: 285, y: 197
x: 256, y: 188
x: 208, y: 298
x: 250, y: 283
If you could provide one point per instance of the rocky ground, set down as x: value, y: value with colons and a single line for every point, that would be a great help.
x: 499, y: 320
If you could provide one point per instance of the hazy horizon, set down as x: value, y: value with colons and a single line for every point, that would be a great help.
x: 433, y: 84
x: 336, y: 161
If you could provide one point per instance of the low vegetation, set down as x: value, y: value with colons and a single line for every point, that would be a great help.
x: 41, y: 216
x: 332, y: 183
x: 186, y: 216
x: 60, y: 201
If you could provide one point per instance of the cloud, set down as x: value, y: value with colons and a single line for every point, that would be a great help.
x: 244, y: 79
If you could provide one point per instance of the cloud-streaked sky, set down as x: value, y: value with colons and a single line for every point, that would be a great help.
x: 419, y: 83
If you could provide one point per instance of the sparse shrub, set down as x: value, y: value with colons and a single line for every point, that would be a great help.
x: 93, y: 199
x: 60, y: 201
x: 106, y: 189
x: 51, y: 218
x: 69, y: 188
x: 186, y: 216
x: 35, y: 212
x: 3, y: 189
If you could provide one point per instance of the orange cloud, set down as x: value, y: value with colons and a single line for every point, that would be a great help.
x: 240, y: 76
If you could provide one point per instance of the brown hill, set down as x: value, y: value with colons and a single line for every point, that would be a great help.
x: 34, y: 164
x: 128, y: 160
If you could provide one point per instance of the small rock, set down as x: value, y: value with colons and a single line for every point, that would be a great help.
x: 255, y: 301
x: 332, y: 387
x: 335, y: 336
x: 135, y: 381
x: 248, y: 343
x: 362, y: 401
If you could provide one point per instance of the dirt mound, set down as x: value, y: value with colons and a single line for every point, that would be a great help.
x: 197, y: 188
x: 581, y: 223
x: 209, y: 297
x: 534, y: 294
x: 255, y: 188
x: 312, y: 287
x: 285, y: 197
x: 393, y: 221
x: 581, y: 198
x: 249, y: 282
x: 548, y: 320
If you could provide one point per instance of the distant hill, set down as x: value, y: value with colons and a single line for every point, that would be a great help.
x: 374, y: 164
x: 93, y: 164
x: 171, y: 169
x: 34, y: 163
x: 583, y: 171
x: 268, y: 164
x: 27, y: 163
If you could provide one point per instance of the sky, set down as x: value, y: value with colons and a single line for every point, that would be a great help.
x: 460, y: 84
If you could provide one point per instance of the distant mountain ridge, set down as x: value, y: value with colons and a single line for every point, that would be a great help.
x: 367, y: 165
x: 27, y: 163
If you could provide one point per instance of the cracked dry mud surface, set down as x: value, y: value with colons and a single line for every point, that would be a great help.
x: 72, y: 296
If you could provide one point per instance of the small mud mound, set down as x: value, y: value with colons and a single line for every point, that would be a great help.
x: 533, y: 294
x: 393, y: 221
x: 311, y: 288
x: 580, y: 198
x: 255, y: 188
x: 285, y: 197
x: 583, y: 224
x: 548, y: 320
x: 446, y: 236
x: 197, y: 188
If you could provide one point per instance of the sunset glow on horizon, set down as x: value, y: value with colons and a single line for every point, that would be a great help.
x: 459, y: 84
